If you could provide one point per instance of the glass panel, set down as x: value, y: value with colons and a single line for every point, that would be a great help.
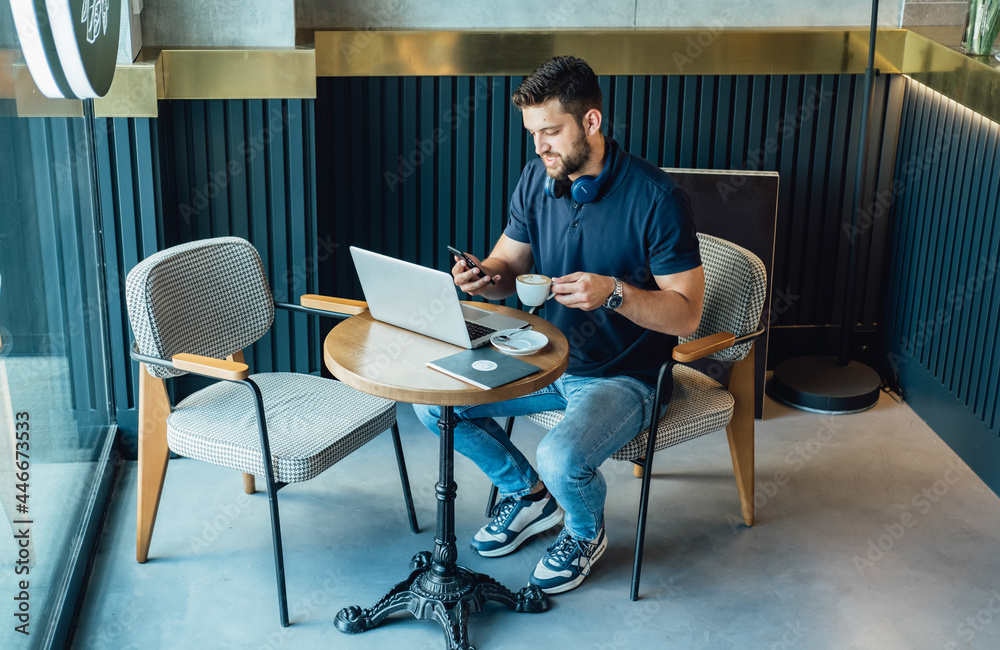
x: 54, y: 387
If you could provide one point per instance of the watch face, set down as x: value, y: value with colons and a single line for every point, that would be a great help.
x: 614, y: 301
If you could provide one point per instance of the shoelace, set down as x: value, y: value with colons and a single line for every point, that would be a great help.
x: 502, y: 510
x: 566, y: 546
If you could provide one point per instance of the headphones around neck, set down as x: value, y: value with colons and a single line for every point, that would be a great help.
x: 585, y: 189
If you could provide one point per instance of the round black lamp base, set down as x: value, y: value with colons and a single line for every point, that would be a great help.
x: 822, y: 385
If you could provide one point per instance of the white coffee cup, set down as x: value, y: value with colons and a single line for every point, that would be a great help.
x: 533, y: 289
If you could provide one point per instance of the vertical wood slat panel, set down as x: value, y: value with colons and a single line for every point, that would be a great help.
x: 126, y: 191
x: 758, y: 123
x: 943, y: 275
x: 930, y: 126
x: 426, y: 240
x: 944, y: 303
x: 985, y: 335
x: 948, y: 354
x: 208, y: 169
x: 989, y: 379
x: 962, y: 368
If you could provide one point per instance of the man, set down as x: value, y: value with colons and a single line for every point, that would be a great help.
x: 627, y: 277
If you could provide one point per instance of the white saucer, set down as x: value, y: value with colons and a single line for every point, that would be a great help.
x: 526, y: 342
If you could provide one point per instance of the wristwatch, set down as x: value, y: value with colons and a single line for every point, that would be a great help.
x: 614, y: 301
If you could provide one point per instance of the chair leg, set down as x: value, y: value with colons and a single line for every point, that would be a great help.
x: 508, y: 429
x: 279, y: 558
x: 637, y: 467
x: 647, y: 474
x: 404, y: 479
x: 272, y: 501
x: 154, y: 407
x: 640, y: 533
x: 740, y: 432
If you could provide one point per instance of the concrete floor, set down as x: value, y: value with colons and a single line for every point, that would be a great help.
x: 870, y: 533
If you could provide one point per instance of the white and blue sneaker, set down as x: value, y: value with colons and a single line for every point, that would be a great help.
x: 567, y: 562
x: 514, y: 521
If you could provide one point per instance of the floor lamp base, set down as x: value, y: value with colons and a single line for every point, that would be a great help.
x: 821, y: 385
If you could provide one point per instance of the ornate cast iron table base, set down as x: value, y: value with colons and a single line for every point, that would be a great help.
x: 446, y: 599
x: 438, y: 588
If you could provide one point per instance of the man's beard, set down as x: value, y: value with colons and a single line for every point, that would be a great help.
x: 573, y: 161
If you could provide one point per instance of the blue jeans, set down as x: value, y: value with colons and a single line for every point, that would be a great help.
x: 602, y: 414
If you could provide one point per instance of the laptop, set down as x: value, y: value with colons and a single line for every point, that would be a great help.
x: 425, y: 301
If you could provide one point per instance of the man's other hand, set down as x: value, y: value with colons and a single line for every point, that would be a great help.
x: 585, y: 291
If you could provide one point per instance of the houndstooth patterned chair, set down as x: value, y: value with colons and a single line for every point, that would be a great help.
x: 735, y: 288
x: 193, y: 308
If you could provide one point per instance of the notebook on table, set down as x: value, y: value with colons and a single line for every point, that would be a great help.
x: 485, y: 367
x: 424, y: 300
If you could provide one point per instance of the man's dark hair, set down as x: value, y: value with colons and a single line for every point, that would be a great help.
x: 566, y: 78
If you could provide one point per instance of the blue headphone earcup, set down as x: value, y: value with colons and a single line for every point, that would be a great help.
x: 555, y: 189
x: 586, y: 188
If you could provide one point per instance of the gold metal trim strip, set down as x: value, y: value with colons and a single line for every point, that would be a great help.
x: 8, y: 58
x: 31, y: 102
x: 291, y: 73
x: 235, y: 74
x: 969, y: 80
x: 667, y: 52
x: 132, y: 93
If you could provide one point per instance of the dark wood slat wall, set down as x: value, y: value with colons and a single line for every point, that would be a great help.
x: 209, y: 169
x: 943, y: 298
x: 413, y: 164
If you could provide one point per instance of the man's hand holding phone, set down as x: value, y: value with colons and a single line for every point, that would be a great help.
x: 469, y: 276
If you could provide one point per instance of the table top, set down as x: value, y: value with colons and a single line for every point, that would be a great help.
x: 388, y: 361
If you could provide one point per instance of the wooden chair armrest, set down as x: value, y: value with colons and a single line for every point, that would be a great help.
x: 331, y: 304
x: 217, y: 368
x: 700, y: 348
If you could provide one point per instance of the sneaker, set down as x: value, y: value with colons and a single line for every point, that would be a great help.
x: 567, y: 562
x: 515, y: 520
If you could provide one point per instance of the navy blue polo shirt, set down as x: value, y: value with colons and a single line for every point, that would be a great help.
x: 640, y: 226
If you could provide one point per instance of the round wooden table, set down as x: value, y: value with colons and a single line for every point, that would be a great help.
x: 389, y: 362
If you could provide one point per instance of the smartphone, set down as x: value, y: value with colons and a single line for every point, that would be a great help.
x: 470, y: 263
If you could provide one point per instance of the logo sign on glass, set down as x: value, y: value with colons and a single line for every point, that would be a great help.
x: 70, y: 46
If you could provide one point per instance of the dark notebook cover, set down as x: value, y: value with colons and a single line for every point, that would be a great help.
x: 484, y: 367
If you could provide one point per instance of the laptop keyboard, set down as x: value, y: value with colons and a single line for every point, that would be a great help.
x: 477, y: 331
